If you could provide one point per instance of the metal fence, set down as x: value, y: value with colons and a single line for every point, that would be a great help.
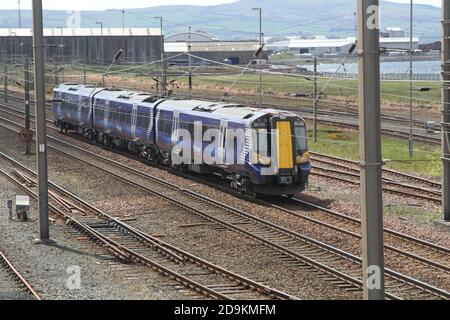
x: 387, y: 76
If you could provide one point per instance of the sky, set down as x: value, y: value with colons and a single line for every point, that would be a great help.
x: 121, y: 4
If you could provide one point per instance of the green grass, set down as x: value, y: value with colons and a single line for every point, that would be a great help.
x: 391, y: 91
x: 412, y: 213
x: 345, y: 144
x: 283, y: 56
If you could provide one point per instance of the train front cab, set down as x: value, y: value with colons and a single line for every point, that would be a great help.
x: 293, y: 159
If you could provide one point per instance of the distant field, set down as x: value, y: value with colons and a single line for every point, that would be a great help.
x: 338, y: 142
x: 392, y: 91
x: 220, y: 79
x: 345, y: 144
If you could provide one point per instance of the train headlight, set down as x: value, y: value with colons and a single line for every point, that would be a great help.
x: 304, y: 158
x: 262, y: 160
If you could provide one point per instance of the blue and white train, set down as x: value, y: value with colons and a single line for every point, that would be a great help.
x: 149, y: 125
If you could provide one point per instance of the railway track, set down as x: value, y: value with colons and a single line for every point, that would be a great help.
x: 337, y: 172
x: 422, y: 260
x: 13, y: 285
x: 348, y: 111
x: 388, y: 174
x: 404, y: 135
x: 394, y: 182
x: 341, y: 266
x: 133, y: 246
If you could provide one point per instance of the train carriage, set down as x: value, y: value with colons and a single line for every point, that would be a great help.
x: 258, y: 150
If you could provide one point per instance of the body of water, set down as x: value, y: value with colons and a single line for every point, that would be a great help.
x: 420, y: 67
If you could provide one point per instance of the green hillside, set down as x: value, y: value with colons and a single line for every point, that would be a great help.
x: 237, y: 20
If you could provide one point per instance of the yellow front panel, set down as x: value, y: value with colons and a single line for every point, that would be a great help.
x: 284, y: 143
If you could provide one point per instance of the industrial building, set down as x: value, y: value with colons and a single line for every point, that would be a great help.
x: 391, y: 38
x: 91, y: 45
x: 207, y: 47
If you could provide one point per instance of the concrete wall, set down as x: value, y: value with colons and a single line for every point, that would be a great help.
x: 342, y: 50
x: 242, y: 57
x: 89, y: 49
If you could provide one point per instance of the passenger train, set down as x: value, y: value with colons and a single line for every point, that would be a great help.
x: 259, y: 151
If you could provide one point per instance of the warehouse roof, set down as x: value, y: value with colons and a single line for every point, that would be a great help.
x: 213, y: 46
x: 320, y: 43
x: 194, y: 36
x: 341, y: 42
x: 397, y: 40
x: 80, y: 32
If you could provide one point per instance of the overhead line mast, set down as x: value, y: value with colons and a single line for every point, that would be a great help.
x: 446, y: 108
x: 370, y: 145
x: 41, y: 139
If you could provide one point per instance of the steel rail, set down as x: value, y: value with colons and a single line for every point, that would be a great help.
x: 332, y: 249
x: 341, y: 230
x: 385, y: 170
x: 120, y: 251
x: 17, y: 276
x: 436, y: 199
x: 389, y: 132
x: 176, y: 254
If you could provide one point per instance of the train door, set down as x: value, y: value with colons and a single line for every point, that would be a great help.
x: 284, y: 144
x: 80, y: 108
x: 175, y: 126
x: 223, y: 142
x: 133, y: 120
x: 106, y: 115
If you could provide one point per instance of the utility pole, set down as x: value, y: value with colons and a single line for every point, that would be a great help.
x: 61, y: 45
x: 102, y: 50
x: 55, y: 66
x: 5, y: 75
x: 84, y: 74
x: 315, y: 99
x: 123, y: 21
x: 260, y: 64
x: 19, y: 15
x: 102, y: 43
x: 411, y: 134
x: 163, y: 82
x: 446, y: 108
x: 27, y: 99
x: 370, y: 149
x: 190, y: 64
x: 41, y: 143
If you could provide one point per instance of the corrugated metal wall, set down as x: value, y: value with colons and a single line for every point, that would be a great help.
x: 89, y: 49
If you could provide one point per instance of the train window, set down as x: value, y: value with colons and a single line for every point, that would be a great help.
x: 146, y: 118
x: 165, y: 123
x: 187, y: 125
x: 99, y: 110
x: 127, y: 116
x: 140, y: 120
x: 263, y: 142
x: 301, y: 142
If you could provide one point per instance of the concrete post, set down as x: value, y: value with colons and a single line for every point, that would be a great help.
x: 370, y: 146
x: 41, y: 144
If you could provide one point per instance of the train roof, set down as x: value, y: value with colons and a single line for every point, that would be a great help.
x: 235, y: 112
x: 204, y: 108
x: 77, y: 89
x: 110, y: 93
x: 209, y: 109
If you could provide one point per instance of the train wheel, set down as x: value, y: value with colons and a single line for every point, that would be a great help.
x: 245, y: 186
x: 92, y: 136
